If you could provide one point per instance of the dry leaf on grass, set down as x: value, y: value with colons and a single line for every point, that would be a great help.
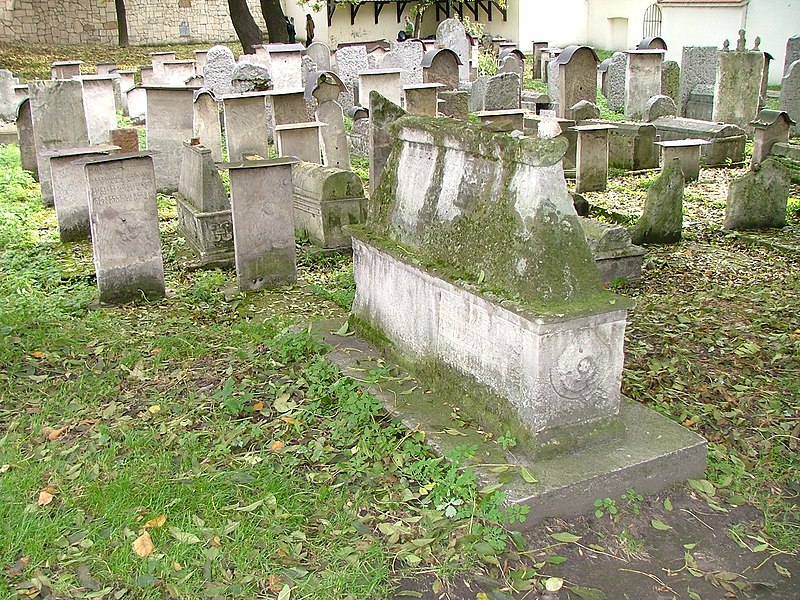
x: 157, y: 522
x: 45, y: 497
x: 143, y: 545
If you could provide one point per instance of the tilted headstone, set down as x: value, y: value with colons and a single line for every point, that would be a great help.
x: 59, y: 122
x: 642, y: 81
x: 27, y: 142
x: 204, y: 211
x: 502, y: 92
x: 659, y: 106
x: 350, y: 61
x: 698, y: 67
x: 771, y: 127
x: 738, y: 88
x: 8, y: 97
x: 169, y: 124
x: 263, y: 224
x: 206, y: 124
x: 383, y: 114
x: 441, y: 66
x: 70, y: 191
x: 671, y: 80
x: 615, y: 81
x: 758, y: 199
x: 662, y: 219
x: 220, y: 64
x: 790, y: 93
x: 577, y: 78
x: 123, y: 213
x: 583, y: 111
x: 100, y: 105
x: 246, y: 128
x: 792, y: 52
x: 451, y: 34
x: 326, y: 200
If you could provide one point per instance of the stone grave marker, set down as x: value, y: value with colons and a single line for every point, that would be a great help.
x: 737, y: 92
x: 409, y: 58
x: 136, y: 99
x: 441, y: 66
x: 387, y: 82
x: 792, y: 52
x: 758, y: 199
x: 591, y: 162
x: 326, y: 91
x: 169, y: 124
x: 300, y: 140
x: 157, y: 60
x: 771, y: 127
x: 512, y: 61
x: 8, y: 97
x: 502, y: 92
x: 451, y: 34
x: 698, y: 67
x: 350, y: 61
x: 123, y: 214
x: 642, y: 81
x: 126, y: 83
x: 320, y: 54
x: 577, y: 78
x: 659, y: 106
x: 27, y: 142
x: 285, y: 107
x: 250, y: 76
x: 502, y: 120
x: 246, y: 128
x: 286, y: 66
x: 383, y: 114
x: 584, y: 111
x: 726, y: 142
x: 631, y: 146
x: 615, y: 81
x: 177, y: 72
x: 662, y: 219
x: 687, y: 152
x: 455, y: 103
x: 220, y: 64
x: 422, y: 99
x: 65, y: 69
x: 671, y: 80
x: 105, y: 68
x: 206, y: 122
x: 59, y: 121
x: 146, y: 75
x: 70, y: 191
x: 537, y: 58
x: 790, y: 93
x: 263, y: 224
x: 125, y: 138
x: 200, y: 59
x: 100, y: 105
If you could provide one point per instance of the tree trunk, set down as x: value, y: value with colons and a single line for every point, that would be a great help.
x: 246, y: 29
x: 122, y: 22
x: 275, y: 20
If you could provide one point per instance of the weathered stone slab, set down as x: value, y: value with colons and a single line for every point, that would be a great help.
x: 8, y: 97
x: 250, y: 76
x: 503, y: 92
x: 384, y: 81
x: 350, y: 61
x: 671, y: 80
x: 125, y: 138
x: 99, y: 103
x: 615, y: 81
x: 220, y: 64
x: 285, y: 107
x: 246, y: 129
x: 325, y: 87
x: 124, y: 223
x: 757, y: 200
x: 738, y: 87
x: 177, y: 72
x: 407, y: 56
x: 792, y: 52
x: 659, y: 106
x: 383, y: 114
x: 299, y: 140
x: 65, y: 69
x: 577, y: 78
x: 591, y: 164
x: 451, y: 34
x: 263, y: 225
x: 441, y: 66
x: 27, y: 142
x: 206, y: 122
x: 686, y: 152
x: 632, y: 146
x: 502, y: 120
x: 790, y: 93
x: 662, y: 219
x: 727, y: 141
x: 286, y: 66
x: 157, y: 60
x: 169, y: 123
x: 325, y: 201
x: 616, y: 256
x: 698, y: 67
x: 642, y: 81
x: 537, y: 58
x: 321, y: 55
x: 422, y: 99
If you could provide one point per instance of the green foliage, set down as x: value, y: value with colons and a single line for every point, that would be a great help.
x: 487, y: 62
x: 605, y: 506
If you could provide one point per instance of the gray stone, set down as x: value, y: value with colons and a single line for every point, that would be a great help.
x: 263, y: 224
x: 698, y: 67
x: 8, y: 97
x: 454, y: 104
x: 790, y: 93
x: 441, y: 66
x: 124, y: 222
x: 250, y: 77
x: 614, y: 253
x: 700, y: 104
x: 615, y: 81
x: 659, y: 106
x: 410, y: 54
x: 662, y: 219
x: 552, y: 83
x: 204, y: 211
x: 477, y: 94
x: 423, y: 99
x: 286, y: 66
x: 300, y: 140
x: 512, y: 63
x: 326, y: 200
x: 584, y: 111
x: 350, y: 61
x: 27, y: 142
x: 335, y: 151
x: 286, y: 107
x: 59, y: 122
x: 771, y: 127
x: 177, y: 72
x: 206, y: 122
x: 591, y: 161
x: 217, y: 73
x: 502, y: 120
x: 687, y: 152
x: 738, y: 88
x: 246, y: 129
x: 100, y: 105
x: 65, y: 69
x: 157, y: 60
x: 631, y: 146
x: 757, y: 200
x: 170, y: 113
x: 726, y: 142
x: 393, y: 61
x: 642, y: 80
x: 383, y: 115
x: 451, y: 34
x: 321, y: 55
x: 537, y: 58
x: 671, y: 80
x: 502, y: 92
x: 136, y: 99
x: 792, y: 52
x: 358, y: 139
x: 577, y: 78
x: 387, y: 82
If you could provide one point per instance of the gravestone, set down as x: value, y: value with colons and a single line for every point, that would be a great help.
x: 105, y: 68
x: 326, y: 200
x: 687, y: 152
x: 286, y: 66
x: 502, y: 120
x: 177, y: 72
x: 206, y: 124
x: 441, y: 66
x: 614, y: 253
x: 246, y: 128
x: 65, y: 69
x: 27, y: 141
x: 409, y: 54
x: 790, y: 93
x: 263, y: 224
x: 125, y: 138
x: 738, y: 89
x: 169, y: 124
x: 387, y: 82
x: 157, y: 60
x: 286, y: 107
x: 299, y: 140
x: 511, y: 61
x: 502, y: 92
x: 335, y: 152
x: 137, y: 105
x: 577, y: 78
x: 59, y: 121
x: 615, y: 81
x: 671, y: 80
x: 792, y: 52
x: 423, y: 99
x: 451, y: 34
x: 383, y: 114
x: 8, y: 97
x: 321, y: 55
x: 537, y: 58
x: 250, y: 77
x: 642, y: 81
x: 100, y: 105
x: 762, y: 99
x: 552, y: 82
x: 70, y: 191
x: 477, y: 94
x: 126, y: 83
x: 631, y: 146
x: 659, y: 106
x: 204, y: 212
x: 146, y: 75
x: 771, y: 127
x: 652, y: 43
x: 662, y: 219
x: 698, y: 67
x: 123, y: 214
x: 350, y: 61
x: 701, y: 103
x: 591, y: 162
x: 726, y: 143
x: 200, y: 59
x: 220, y: 64
x: 758, y: 199
x: 454, y: 104
x: 392, y: 61
x: 584, y: 111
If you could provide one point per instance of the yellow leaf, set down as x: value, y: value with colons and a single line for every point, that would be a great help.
x: 277, y: 445
x: 157, y: 522
x: 45, y: 498
x: 143, y: 545
x: 38, y: 354
x: 154, y: 409
x: 55, y: 434
x: 177, y: 566
x: 258, y: 405
x: 481, y: 596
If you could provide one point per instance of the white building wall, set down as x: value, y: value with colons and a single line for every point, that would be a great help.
x: 561, y: 23
x: 700, y: 26
x: 774, y: 21
x: 605, y: 18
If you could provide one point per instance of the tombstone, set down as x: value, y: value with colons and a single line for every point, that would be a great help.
x: 577, y: 78
x: 177, y: 72
x: 534, y: 101
x: 792, y: 52
x: 662, y: 219
x: 642, y: 81
x: 326, y: 200
x: 671, y: 80
x: 726, y: 143
x: 157, y: 60
x: 27, y: 140
x: 441, y: 66
x: 300, y: 140
x: 206, y: 123
x: 286, y: 66
x: 263, y: 224
x: 200, y: 59
x: 123, y: 214
x: 537, y: 58
x: 631, y: 146
x: 246, y: 127
x: 350, y: 61
x: 105, y: 68
x: 738, y: 89
x: 546, y: 123
x: 548, y: 56
x: 591, y: 162
x: 326, y: 89
x: 204, y: 212
x: 409, y: 56
x: 20, y: 92
x: 220, y: 64
x: 100, y: 105
x: 502, y: 120
x: 125, y: 83
x: 698, y: 67
x: 70, y: 191
x: 477, y: 93
x: 422, y: 99
x: 602, y: 76
x: 384, y: 81
x: 687, y: 152
x: 286, y: 107
x: 59, y: 121
x: 615, y: 81
x: 771, y: 127
x: 136, y: 100
x: 584, y: 111
x: 8, y: 97
x: 454, y: 104
x: 762, y: 96
x: 502, y: 92
x: 383, y: 115
x: 250, y: 77
x: 125, y: 138
x: 320, y: 54
x: 146, y: 75
x: 614, y: 254
x: 65, y: 69
x: 659, y: 106
x: 169, y: 124
x: 652, y: 43
x: 512, y: 61
x: 451, y: 34
x: 700, y: 104
x: 758, y: 199
x: 392, y: 61
x: 790, y: 93
x: 552, y: 82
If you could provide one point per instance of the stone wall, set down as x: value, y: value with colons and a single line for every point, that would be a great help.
x: 95, y: 21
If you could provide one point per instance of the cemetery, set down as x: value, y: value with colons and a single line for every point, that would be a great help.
x: 437, y: 318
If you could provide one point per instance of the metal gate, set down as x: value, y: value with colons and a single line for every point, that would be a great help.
x: 652, y: 22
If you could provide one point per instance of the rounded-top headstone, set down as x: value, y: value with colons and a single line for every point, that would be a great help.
x: 659, y: 106
x: 584, y: 110
x: 250, y: 77
x: 452, y: 35
x: 220, y: 64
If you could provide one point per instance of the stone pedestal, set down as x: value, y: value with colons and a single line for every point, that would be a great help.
x: 169, y: 124
x: 503, y: 119
x: 177, y: 72
x: 286, y: 62
x: 687, y: 152
x: 591, y: 161
x: 631, y: 146
x: 286, y: 107
x: 124, y: 222
x: 300, y: 140
x: 770, y: 128
x: 263, y: 223
x: 246, y: 129
x: 642, y: 81
x: 384, y: 81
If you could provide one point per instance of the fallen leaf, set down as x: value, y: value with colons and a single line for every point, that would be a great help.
x: 216, y: 542
x: 55, y: 434
x: 45, y: 498
x: 277, y: 445
x: 177, y: 566
x: 143, y: 545
x: 4, y: 468
x: 258, y: 406
x: 565, y: 536
x: 274, y: 583
x: 38, y: 354
x: 660, y: 525
x: 553, y: 584
x: 154, y: 409
x: 288, y: 420
x: 157, y: 522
